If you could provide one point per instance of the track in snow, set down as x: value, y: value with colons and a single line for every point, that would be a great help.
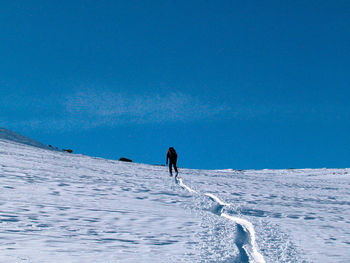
x: 245, y: 237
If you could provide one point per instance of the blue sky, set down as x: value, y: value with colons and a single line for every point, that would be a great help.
x: 229, y: 84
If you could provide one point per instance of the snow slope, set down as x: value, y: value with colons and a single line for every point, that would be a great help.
x: 60, y: 207
x: 6, y: 134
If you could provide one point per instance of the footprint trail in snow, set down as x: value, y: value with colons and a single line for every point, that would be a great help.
x: 245, y: 237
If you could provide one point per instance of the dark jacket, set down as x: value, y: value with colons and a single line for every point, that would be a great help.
x: 171, y: 155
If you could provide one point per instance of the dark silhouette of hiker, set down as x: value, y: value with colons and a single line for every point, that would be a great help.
x: 171, y: 155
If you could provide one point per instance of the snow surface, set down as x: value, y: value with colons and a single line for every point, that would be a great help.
x: 60, y: 207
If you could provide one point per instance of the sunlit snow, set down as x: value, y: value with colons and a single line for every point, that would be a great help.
x: 61, y: 207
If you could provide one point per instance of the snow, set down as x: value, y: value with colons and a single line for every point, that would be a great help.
x: 61, y: 207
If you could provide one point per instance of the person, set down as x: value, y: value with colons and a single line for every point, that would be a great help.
x: 171, y: 155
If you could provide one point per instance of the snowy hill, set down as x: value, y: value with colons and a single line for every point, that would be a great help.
x: 15, y: 137
x: 59, y: 207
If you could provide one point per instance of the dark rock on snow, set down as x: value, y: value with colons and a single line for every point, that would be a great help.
x: 123, y: 159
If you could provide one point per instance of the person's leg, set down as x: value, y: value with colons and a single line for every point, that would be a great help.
x: 170, y: 168
x: 175, y: 168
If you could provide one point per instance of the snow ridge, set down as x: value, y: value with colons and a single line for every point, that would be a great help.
x: 6, y: 134
x: 180, y: 182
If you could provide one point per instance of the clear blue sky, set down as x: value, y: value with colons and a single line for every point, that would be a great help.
x: 229, y: 84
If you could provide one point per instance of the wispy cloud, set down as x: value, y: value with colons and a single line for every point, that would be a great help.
x: 90, y: 109
x: 116, y: 108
